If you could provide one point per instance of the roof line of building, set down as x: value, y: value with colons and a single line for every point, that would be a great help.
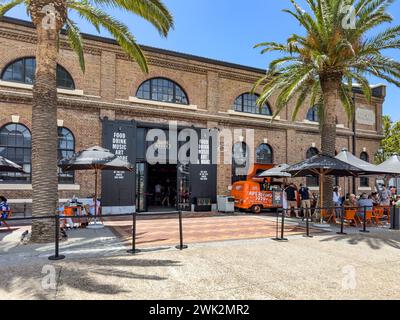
x: 29, y: 24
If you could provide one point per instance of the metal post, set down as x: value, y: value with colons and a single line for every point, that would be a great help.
x: 307, y: 235
x: 342, y: 222
x: 181, y: 246
x: 282, y: 238
x: 57, y: 256
x: 364, y: 230
x: 133, y: 250
x: 392, y: 218
x: 277, y: 225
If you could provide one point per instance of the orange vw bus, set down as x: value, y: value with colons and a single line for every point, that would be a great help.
x: 249, y: 196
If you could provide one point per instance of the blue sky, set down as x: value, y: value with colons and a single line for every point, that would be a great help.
x: 227, y: 30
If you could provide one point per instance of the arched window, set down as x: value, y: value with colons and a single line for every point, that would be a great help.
x: 312, y: 114
x: 247, y: 103
x: 312, y: 181
x: 15, y: 145
x: 239, y: 161
x: 264, y: 154
x: 23, y: 70
x: 364, y: 182
x: 161, y: 89
x: 66, y: 148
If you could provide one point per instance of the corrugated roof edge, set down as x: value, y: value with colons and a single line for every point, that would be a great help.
x: 148, y: 48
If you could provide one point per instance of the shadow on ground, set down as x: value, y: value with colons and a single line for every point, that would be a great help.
x: 102, y: 275
x: 374, y: 240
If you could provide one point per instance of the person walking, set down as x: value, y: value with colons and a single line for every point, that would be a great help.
x: 305, y: 200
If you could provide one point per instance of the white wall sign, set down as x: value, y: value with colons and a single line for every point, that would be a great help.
x: 365, y: 116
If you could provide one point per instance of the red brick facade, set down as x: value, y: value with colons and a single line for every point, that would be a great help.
x: 211, y: 86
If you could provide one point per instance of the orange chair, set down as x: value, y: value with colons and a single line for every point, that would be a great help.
x: 378, y: 215
x: 350, y: 215
x: 328, y: 216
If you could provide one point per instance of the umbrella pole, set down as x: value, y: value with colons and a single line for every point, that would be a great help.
x: 95, y: 196
x: 321, y: 195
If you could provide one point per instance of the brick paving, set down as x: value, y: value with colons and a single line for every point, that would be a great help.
x: 197, y: 230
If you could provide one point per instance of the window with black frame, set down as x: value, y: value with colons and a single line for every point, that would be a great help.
x: 364, y: 181
x: 264, y: 154
x: 247, y: 103
x: 163, y: 90
x: 16, y: 145
x: 312, y: 114
x: 312, y: 181
x: 239, y: 161
x: 66, y: 148
x: 23, y: 71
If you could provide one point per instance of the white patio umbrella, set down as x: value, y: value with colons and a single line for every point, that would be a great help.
x: 391, y: 166
x: 276, y: 172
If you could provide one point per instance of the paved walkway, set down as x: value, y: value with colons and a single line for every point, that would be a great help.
x: 205, y: 229
x: 328, y: 266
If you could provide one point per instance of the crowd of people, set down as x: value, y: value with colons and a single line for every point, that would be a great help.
x: 301, y: 201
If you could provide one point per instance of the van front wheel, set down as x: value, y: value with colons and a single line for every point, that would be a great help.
x: 256, y: 208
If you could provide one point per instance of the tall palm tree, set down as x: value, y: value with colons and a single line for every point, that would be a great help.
x: 334, y: 52
x: 49, y: 17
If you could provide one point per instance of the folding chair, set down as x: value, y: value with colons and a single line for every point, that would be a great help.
x: 350, y: 215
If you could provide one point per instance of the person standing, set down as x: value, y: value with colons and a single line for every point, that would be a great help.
x: 384, y: 196
x: 337, y: 201
x: 291, y: 193
x: 305, y: 200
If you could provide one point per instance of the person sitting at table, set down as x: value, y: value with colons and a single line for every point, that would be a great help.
x: 364, y: 203
x: 4, y: 208
x: 351, y: 202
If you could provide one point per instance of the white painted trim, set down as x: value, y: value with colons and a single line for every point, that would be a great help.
x: 69, y: 187
x: 315, y: 123
x: 364, y: 189
x: 26, y: 186
x: 17, y: 85
x: 26, y: 86
x: 15, y: 186
x: 314, y: 188
x: 74, y: 92
x: 162, y: 104
x: 251, y: 115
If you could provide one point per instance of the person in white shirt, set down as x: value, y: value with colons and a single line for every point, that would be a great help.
x: 91, y: 206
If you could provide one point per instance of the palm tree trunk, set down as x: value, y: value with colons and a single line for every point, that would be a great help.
x: 330, y: 90
x: 48, y: 17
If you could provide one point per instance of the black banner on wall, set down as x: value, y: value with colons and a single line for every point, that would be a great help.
x: 118, y: 190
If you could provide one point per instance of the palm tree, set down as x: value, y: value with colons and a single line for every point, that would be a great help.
x: 321, y: 66
x: 49, y: 17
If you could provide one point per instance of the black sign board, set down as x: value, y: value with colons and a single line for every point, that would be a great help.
x: 118, y: 188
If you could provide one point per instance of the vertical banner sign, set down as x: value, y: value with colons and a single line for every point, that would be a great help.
x: 118, y: 187
x: 204, y: 174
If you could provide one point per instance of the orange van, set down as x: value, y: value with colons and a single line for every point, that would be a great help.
x: 249, y: 196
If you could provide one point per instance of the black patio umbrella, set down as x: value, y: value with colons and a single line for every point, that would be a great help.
x: 322, y: 165
x: 97, y: 159
x: 9, y: 166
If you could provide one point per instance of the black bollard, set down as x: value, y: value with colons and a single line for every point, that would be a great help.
x: 392, y: 222
x: 181, y: 246
x: 282, y: 238
x: 307, y: 235
x: 364, y: 230
x: 341, y: 222
x: 133, y: 250
x: 57, y: 256
x: 277, y: 225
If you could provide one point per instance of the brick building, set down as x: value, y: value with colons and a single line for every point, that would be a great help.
x: 197, y: 92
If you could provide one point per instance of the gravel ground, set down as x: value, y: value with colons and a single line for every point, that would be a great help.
x: 328, y: 266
